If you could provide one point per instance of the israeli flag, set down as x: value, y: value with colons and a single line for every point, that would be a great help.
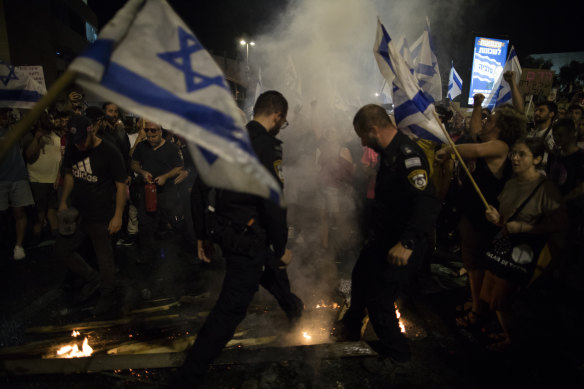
x: 454, y: 83
x: 148, y: 62
x: 17, y: 88
x: 404, y: 51
x: 501, y: 92
x: 426, y: 64
x: 412, y: 109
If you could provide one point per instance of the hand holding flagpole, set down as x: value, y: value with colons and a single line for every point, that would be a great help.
x: 453, y: 146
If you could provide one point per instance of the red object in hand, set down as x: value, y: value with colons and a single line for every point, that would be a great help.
x: 150, y: 197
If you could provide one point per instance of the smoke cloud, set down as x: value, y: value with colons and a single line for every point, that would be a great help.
x: 319, y: 54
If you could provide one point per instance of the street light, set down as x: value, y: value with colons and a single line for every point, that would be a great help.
x: 246, y: 44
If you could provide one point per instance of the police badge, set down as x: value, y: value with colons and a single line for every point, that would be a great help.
x: 419, y: 179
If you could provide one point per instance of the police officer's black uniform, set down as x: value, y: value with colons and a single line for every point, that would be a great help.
x: 405, y: 210
x: 252, y: 233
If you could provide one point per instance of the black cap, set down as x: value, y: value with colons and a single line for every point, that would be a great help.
x: 78, y: 125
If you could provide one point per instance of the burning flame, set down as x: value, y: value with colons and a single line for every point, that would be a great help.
x: 398, y: 315
x: 73, y: 351
x: 323, y: 305
x: 306, y: 336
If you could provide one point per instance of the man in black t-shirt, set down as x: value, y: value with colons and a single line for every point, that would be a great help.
x: 94, y: 184
x: 157, y: 161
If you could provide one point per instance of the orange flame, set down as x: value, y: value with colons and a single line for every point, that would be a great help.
x: 73, y: 351
x: 401, y: 323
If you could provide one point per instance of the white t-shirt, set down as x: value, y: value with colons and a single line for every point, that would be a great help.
x: 46, y: 168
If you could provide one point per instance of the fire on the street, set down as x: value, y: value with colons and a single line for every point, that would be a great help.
x: 402, y: 326
x: 72, y: 350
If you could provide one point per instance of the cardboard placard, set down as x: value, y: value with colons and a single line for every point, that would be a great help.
x: 537, y: 82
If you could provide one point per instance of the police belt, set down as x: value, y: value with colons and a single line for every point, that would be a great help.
x: 237, y: 237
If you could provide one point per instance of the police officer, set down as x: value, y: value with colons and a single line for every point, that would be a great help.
x: 252, y: 233
x: 405, y: 210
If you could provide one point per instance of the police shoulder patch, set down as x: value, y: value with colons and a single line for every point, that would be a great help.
x: 418, y: 178
x: 413, y: 162
x: 278, y: 169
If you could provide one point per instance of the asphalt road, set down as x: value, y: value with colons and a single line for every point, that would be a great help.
x: 37, y: 292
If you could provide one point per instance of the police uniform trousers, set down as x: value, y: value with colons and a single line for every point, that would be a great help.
x: 243, y: 274
x: 375, y: 287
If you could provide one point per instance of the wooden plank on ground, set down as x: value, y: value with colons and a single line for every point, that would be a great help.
x: 232, y: 356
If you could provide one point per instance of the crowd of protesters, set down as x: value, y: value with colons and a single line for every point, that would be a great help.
x: 509, y: 155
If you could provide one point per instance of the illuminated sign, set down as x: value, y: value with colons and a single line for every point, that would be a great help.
x: 488, y: 63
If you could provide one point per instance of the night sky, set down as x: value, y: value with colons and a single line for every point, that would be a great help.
x: 532, y: 29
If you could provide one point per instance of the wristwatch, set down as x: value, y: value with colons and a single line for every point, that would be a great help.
x: 408, y: 244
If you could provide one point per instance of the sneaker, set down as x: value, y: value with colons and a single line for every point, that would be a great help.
x: 129, y: 240
x: 19, y: 253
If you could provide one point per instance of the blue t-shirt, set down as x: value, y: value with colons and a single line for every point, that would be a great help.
x: 12, y: 167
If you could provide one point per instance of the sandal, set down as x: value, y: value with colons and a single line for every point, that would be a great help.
x: 471, y: 320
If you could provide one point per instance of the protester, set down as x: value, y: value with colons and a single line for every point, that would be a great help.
x: 490, y: 170
x: 94, y: 179
x: 42, y: 150
x: 543, y: 117
x: 157, y: 162
x: 530, y: 208
x: 405, y: 211
x: 252, y: 233
x: 15, y: 190
x: 566, y: 169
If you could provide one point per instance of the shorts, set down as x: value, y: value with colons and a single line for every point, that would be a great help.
x: 15, y: 194
x: 45, y: 196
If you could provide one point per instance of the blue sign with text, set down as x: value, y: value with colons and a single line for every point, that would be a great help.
x: 488, y: 63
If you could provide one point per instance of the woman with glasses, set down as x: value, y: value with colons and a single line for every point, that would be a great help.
x: 487, y: 161
x: 529, y: 204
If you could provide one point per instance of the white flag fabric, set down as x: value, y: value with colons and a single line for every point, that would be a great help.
x: 501, y: 92
x: 148, y: 62
x: 412, y: 109
x: 426, y: 64
x: 17, y: 88
x: 454, y: 83
x: 404, y: 51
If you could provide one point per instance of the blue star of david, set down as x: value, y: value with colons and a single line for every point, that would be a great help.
x: 181, y: 59
x: 11, y: 75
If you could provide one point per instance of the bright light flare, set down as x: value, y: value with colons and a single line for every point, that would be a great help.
x: 306, y: 336
x: 401, y: 323
x: 73, y: 351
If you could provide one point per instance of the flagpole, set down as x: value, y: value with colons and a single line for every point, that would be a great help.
x: 453, y: 146
x: 22, y: 126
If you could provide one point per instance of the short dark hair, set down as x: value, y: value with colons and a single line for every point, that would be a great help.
x: 535, y: 144
x: 106, y: 104
x: 551, y: 106
x: 371, y: 115
x: 567, y: 124
x: 270, y: 102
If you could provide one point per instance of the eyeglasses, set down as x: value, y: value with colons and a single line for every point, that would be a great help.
x: 152, y: 130
x: 284, y: 125
x: 520, y: 154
